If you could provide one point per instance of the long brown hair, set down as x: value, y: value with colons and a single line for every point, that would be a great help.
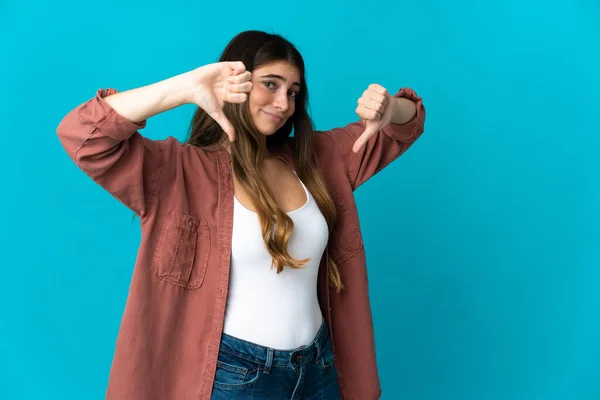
x: 256, y: 49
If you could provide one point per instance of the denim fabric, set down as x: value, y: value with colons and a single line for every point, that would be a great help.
x: 249, y: 371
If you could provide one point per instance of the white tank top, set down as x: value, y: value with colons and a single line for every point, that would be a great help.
x: 280, y: 311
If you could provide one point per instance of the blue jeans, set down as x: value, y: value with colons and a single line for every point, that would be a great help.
x: 248, y: 371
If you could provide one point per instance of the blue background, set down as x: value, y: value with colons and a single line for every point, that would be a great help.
x: 482, y: 240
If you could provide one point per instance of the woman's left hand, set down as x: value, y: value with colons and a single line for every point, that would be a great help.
x: 375, y: 108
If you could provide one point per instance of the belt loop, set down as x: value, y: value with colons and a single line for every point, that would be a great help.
x: 269, y: 361
x: 319, y: 349
x: 321, y: 340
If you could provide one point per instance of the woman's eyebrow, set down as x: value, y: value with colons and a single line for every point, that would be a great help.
x: 275, y: 76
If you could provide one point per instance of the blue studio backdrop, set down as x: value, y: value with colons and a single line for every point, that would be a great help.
x: 482, y: 240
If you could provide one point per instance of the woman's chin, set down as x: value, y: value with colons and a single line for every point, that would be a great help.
x: 267, y: 131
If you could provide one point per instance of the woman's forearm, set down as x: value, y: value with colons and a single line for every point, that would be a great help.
x: 141, y: 103
x: 404, y: 110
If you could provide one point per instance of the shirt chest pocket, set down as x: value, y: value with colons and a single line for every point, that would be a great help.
x: 182, y: 251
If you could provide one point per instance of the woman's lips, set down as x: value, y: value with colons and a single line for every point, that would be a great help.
x: 273, y: 117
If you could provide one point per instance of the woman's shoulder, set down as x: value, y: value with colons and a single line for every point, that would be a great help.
x: 325, y: 151
x: 325, y: 146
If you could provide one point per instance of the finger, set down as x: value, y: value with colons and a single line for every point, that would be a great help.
x: 368, y: 114
x: 245, y: 87
x: 370, y: 130
x: 237, y: 67
x: 372, y: 104
x: 237, y: 98
x: 240, y: 78
x: 377, y: 88
x: 224, y: 123
x: 378, y: 97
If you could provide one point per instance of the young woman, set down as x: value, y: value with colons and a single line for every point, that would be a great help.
x: 250, y: 282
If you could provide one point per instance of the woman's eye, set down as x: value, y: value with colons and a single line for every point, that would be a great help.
x: 293, y: 94
x: 269, y: 84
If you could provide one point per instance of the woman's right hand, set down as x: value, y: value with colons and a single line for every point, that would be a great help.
x: 215, y: 84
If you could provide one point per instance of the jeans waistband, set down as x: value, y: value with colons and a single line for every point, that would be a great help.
x: 265, y: 356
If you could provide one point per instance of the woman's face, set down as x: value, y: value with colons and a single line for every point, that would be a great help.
x: 273, y: 97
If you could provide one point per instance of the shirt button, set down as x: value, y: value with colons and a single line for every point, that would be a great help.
x: 190, y: 223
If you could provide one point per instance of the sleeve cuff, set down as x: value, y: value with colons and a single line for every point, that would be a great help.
x: 410, y: 130
x: 98, y: 113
